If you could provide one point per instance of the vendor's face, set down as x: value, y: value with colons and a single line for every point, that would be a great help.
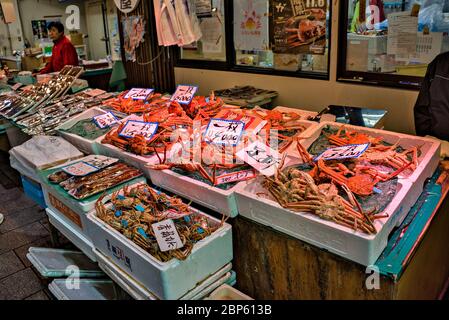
x: 54, y: 34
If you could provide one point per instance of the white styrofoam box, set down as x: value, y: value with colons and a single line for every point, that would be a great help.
x: 305, y: 114
x: 428, y: 160
x: 219, y: 200
x: 85, y: 145
x: 226, y: 292
x: 66, y: 227
x: 139, y: 292
x: 353, y: 245
x: 166, y: 280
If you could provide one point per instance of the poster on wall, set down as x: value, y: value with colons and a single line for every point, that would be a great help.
x: 39, y: 29
x: 251, y: 25
x: 298, y: 26
x: 9, y: 14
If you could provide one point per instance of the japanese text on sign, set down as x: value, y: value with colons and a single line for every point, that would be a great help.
x: 345, y: 152
x: 80, y: 169
x: 235, y: 176
x: 119, y: 254
x: 222, y: 131
x: 138, y: 94
x: 134, y: 128
x: 261, y: 157
x: 166, y: 235
x: 105, y: 120
x: 184, y: 94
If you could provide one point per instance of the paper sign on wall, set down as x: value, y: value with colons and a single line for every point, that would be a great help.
x: 184, y: 94
x: 133, y: 128
x: 261, y: 157
x: 235, y: 176
x: 80, y: 169
x: 138, y: 93
x: 344, y: 152
x: 222, y: 131
x: 251, y: 25
x: 105, y: 120
x: 166, y: 235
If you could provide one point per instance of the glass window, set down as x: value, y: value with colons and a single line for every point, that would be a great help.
x: 212, y: 45
x: 394, y: 39
x: 282, y: 35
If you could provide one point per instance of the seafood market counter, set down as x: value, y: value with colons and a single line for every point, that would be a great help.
x: 414, y: 265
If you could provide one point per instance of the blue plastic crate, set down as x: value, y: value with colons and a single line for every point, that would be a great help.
x: 34, y: 191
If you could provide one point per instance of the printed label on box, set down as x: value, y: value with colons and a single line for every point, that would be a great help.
x: 344, y: 152
x: 166, y: 235
x: 184, y: 94
x: 133, y: 128
x: 66, y: 211
x: 222, y: 131
x: 119, y: 254
x: 138, y: 93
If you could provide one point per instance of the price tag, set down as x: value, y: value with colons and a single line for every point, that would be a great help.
x: 138, y: 93
x: 344, y: 152
x: 222, y: 131
x: 235, y: 176
x: 166, y: 235
x: 80, y: 169
x: 184, y: 94
x: 95, y: 92
x: 133, y: 128
x: 261, y: 157
x: 105, y: 120
x: 16, y: 86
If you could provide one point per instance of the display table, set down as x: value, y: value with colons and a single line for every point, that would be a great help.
x: 415, y: 264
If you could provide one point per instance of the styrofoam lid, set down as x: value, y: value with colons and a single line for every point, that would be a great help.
x: 226, y: 292
x: 53, y: 263
x: 83, y: 289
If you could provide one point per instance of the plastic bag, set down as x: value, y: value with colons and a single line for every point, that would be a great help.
x: 42, y: 152
x: 432, y: 17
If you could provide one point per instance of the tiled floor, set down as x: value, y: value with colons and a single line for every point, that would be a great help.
x: 25, y: 226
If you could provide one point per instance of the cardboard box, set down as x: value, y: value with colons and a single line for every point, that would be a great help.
x: 31, y: 63
x: 76, y: 38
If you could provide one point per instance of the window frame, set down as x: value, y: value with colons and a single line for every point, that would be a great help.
x: 366, y: 78
x: 230, y: 64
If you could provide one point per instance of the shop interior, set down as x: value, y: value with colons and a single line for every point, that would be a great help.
x: 224, y: 150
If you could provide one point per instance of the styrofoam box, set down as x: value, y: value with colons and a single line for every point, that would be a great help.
x: 226, y: 292
x: 85, y: 145
x: 428, y: 160
x: 167, y: 280
x: 66, y: 228
x: 219, y: 200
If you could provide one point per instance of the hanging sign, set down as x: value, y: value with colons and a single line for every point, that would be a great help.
x: 251, y: 25
x: 222, y: 131
x: 134, y: 128
x: 166, y: 235
x: 184, y: 94
x: 138, y: 93
x: 126, y: 6
x: 344, y: 152
x: 261, y: 157
x: 105, y: 120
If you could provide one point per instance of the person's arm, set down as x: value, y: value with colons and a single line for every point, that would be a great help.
x: 48, y: 67
x: 70, y: 57
x: 423, y: 118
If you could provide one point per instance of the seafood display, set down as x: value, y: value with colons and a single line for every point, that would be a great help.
x: 246, y: 96
x: 130, y: 106
x: 81, y: 187
x: 133, y: 210
x: 87, y: 129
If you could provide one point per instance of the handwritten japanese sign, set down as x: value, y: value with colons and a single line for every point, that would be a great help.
x: 184, y: 94
x: 344, y: 152
x: 133, y: 128
x: 80, y: 169
x: 261, y: 157
x: 222, y: 131
x: 138, y: 93
x: 105, y: 120
x: 126, y: 6
x: 235, y: 176
x: 166, y: 235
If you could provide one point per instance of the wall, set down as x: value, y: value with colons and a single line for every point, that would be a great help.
x: 37, y: 9
x: 315, y: 94
x: 15, y: 31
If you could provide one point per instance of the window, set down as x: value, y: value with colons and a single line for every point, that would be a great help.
x: 289, y: 37
x: 391, y: 42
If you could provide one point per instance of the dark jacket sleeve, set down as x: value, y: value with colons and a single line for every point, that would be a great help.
x: 423, y: 118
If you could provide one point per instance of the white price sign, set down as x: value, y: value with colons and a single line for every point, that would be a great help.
x: 138, y: 93
x: 105, y: 120
x: 184, y: 94
x: 235, y: 176
x: 166, y: 235
x: 261, y: 157
x: 126, y: 6
x: 133, y: 128
x: 80, y: 169
x: 222, y: 131
x: 344, y: 152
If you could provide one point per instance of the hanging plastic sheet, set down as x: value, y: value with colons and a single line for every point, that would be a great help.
x: 133, y: 33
